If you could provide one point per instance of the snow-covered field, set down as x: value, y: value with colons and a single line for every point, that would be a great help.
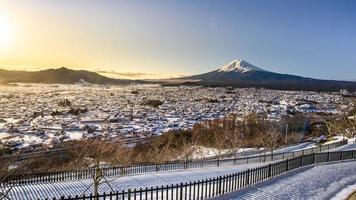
x: 43, y: 190
x: 316, y: 182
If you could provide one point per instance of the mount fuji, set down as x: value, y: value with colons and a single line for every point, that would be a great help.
x: 240, y: 73
x: 239, y: 65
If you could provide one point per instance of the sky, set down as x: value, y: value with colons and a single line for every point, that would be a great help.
x: 313, y: 38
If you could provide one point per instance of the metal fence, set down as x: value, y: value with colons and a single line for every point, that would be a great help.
x: 58, y: 176
x: 223, y: 184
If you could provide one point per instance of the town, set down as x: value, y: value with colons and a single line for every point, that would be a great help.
x: 43, y: 115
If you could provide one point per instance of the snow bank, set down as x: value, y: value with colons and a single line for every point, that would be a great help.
x: 343, y: 194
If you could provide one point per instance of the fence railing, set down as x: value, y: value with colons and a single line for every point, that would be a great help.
x: 58, y: 176
x: 220, y: 185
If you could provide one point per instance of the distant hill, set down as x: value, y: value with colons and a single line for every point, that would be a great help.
x: 60, y: 75
x: 240, y: 73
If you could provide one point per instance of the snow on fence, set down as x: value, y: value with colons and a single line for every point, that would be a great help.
x: 223, y: 184
x: 58, y: 176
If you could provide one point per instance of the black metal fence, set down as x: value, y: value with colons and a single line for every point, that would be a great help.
x: 58, y: 176
x: 223, y: 184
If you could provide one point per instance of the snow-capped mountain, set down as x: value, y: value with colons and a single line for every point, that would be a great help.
x: 239, y: 65
x: 240, y: 73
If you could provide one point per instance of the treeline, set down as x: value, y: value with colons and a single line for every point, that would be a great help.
x: 228, y: 133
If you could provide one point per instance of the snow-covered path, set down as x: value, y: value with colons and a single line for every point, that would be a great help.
x: 314, y: 182
x: 297, y: 147
x: 347, y: 147
x: 58, y: 189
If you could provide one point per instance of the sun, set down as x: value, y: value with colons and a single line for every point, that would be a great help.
x: 5, y: 33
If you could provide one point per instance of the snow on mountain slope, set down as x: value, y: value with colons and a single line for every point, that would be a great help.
x: 239, y: 65
x: 241, y: 74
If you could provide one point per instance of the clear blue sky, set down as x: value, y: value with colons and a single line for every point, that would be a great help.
x: 314, y: 38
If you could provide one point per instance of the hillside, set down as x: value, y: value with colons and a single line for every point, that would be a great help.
x: 60, y: 75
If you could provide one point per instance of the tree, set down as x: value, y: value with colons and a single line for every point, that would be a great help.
x: 272, y: 138
x: 64, y: 103
x: 343, y: 125
x: 267, y: 134
x: 8, y: 173
x: 96, y: 155
x: 153, y: 103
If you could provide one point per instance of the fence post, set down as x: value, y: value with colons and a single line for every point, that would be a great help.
x: 129, y: 194
x: 269, y: 170
x: 181, y: 191
x: 248, y: 177
x: 328, y: 159
x: 314, y: 158
x: 220, y: 177
x: 287, y: 165
x: 301, y: 160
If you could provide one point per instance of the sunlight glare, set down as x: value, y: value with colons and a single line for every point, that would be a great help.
x: 5, y: 33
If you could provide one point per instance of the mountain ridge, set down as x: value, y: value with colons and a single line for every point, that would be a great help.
x: 59, y: 75
x: 240, y: 73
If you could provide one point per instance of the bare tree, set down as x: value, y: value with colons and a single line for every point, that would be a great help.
x: 271, y: 138
x: 9, y: 172
x: 344, y: 125
x: 96, y: 155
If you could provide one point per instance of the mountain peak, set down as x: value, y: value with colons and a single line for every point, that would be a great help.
x: 63, y: 68
x: 240, y: 66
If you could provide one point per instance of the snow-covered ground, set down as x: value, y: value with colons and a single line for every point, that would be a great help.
x: 206, y: 152
x: 209, y: 152
x: 297, y: 147
x: 346, y: 192
x: 245, y: 157
x: 323, y: 181
x: 350, y: 146
x: 316, y: 182
x: 43, y: 190
x: 336, y: 139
